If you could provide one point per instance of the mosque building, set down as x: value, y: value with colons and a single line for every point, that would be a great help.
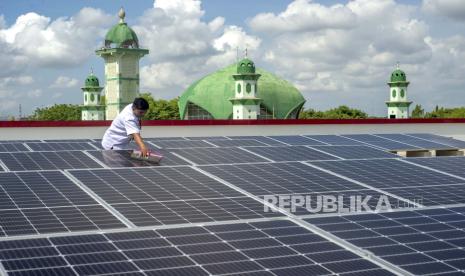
x: 238, y: 91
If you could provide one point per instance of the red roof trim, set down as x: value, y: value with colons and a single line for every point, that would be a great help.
x: 230, y: 122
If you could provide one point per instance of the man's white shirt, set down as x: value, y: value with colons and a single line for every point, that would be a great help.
x: 117, y: 135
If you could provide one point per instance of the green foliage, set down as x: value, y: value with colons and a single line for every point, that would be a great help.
x: 341, y: 112
x: 58, y: 112
x: 418, y: 112
x: 441, y: 112
x: 161, y: 109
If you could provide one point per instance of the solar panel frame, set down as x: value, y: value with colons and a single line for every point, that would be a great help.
x: 120, y: 159
x: 47, y: 160
x: 291, y: 153
x: 60, y: 146
x: 46, y: 202
x: 13, y: 147
x: 355, y: 152
x: 450, y: 165
x: 423, y: 234
x: 180, y: 144
x: 211, y: 250
x: 217, y: 155
x: 380, y: 142
x: 296, y: 140
x: 439, y: 139
x: 262, y: 139
x: 417, y: 142
x: 237, y: 143
x: 334, y: 140
x: 207, y: 138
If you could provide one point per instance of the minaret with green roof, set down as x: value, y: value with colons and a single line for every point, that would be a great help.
x: 246, y: 104
x: 121, y: 54
x: 92, y: 109
x: 398, y: 105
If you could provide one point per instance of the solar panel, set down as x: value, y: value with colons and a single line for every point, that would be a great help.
x: 421, y: 242
x: 334, y: 140
x: 237, y: 143
x: 18, y: 141
x: 156, y: 139
x: 291, y: 153
x: 179, y: 144
x: 380, y: 142
x: 204, y: 156
x: 48, y: 202
x: 60, y: 146
x: 122, y: 158
x: 420, y: 143
x: 433, y: 195
x: 440, y: 139
x: 280, y: 178
x: 26, y: 161
x: 208, y: 138
x: 97, y: 145
x: 355, y: 152
x: 169, y: 195
x: 387, y: 173
x: 452, y: 165
x: 296, y: 140
x: 12, y: 147
x: 266, y: 248
x: 68, y: 140
x: 262, y: 139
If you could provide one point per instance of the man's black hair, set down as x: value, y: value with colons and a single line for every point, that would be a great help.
x: 140, y: 103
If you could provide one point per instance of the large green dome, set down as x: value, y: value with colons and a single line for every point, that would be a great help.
x: 213, y: 94
x: 91, y: 81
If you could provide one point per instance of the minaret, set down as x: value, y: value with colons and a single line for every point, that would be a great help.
x: 92, y: 108
x: 246, y: 104
x: 121, y: 55
x: 398, y: 105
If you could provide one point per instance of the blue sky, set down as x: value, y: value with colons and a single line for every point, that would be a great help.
x: 335, y: 52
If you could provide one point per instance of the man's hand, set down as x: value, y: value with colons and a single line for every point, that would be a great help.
x: 143, y: 148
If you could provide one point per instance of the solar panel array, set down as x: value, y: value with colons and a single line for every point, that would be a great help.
x: 67, y: 207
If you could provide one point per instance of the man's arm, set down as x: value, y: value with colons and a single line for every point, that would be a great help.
x: 143, y: 148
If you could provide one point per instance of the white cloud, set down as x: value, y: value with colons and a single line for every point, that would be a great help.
x: 37, y: 40
x: 64, y: 82
x: 303, y: 15
x: 454, y: 9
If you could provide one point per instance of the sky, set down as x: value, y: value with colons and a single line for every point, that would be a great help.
x: 334, y: 52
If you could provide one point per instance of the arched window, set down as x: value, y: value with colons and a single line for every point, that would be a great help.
x: 92, y: 97
x: 85, y: 97
x: 402, y: 93
x: 393, y: 93
x: 239, y: 88
x: 248, y: 88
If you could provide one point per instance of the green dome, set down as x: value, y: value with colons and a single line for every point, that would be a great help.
x: 122, y: 36
x: 398, y: 76
x: 246, y: 66
x: 213, y: 92
x: 91, y: 81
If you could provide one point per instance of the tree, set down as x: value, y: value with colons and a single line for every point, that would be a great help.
x: 341, y: 112
x: 418, y: 112
x: 57, y: 112
x: 161, y: 109
x: 441, y: 112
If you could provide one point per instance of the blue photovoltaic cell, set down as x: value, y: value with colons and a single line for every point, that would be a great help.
x: 440, y: 139
x: 380, y: 142
x: 60, y: 146
x: 121, y: 158
x: 207, y: 138
x: 420, y: 143
x: 12, y: 147
x: 356, y: 152
x: 387, y: 173
x: 24, y: 161
x: 432, y: 195
x: 205, y: 156
x: 262, y: 139
x: 296, y: 140
x: 452, y: 165
x: 169, y: 195
x: 69, y: 140
x: 263, y: 248
x: 237, y: 143
x: 334, y: 140
x: 179, y: 144
x: 48, y: 202
x: 291, y: 153
x: 421, y: 242
x: 156, y: 139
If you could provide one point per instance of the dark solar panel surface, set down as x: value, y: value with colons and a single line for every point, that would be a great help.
x: 179, y: 144
x: 420, y: 143
x: 296, y: 140
x: 355, y: 152
x: 60, y: 146
x: 26, y: 161
x: 452, y: 165
x: 440, y: 139
x: 68, y: 140
x: 291, y: 153
x: 12, y: 147
x: 122, y: 158
x: 380, y: 142
x: 203, y: 156
x: 262, y: 139
x: 237, y: 143
x: 335, y: 140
